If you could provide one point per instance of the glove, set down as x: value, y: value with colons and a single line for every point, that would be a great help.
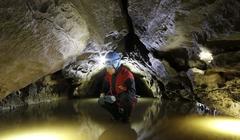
x: 102, y: 95
x: 110, y: 99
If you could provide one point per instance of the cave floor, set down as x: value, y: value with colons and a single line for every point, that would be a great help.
x: 83, y: 119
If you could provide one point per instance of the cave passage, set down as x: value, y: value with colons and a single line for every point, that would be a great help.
x: 184, y: 56
x: 142, y: 89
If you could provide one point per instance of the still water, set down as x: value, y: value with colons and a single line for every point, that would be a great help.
x: 85, y: 120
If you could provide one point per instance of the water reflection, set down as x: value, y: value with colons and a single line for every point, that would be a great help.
x: 119, y: 131
x: 195, y: 128
x: 85, y: 120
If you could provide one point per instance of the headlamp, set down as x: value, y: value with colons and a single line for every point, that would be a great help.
x: 113, y: 63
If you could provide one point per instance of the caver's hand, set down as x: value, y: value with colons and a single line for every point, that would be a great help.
x: 122, y: 88
x: 102, y: 95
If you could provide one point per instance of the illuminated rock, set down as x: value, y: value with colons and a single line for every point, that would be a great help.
x: 41, y: 37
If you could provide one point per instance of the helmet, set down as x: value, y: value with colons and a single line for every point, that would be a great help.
x: 113, y: 59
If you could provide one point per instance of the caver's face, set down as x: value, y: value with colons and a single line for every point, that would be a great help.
x: 110, y: 70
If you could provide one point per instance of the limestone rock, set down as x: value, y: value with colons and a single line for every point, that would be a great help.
x: 153, y: 20
x: 39, y: 37
x: 228, y: 60
x: 213, y: 80
x: 224, y: 99
x: 47, y: 89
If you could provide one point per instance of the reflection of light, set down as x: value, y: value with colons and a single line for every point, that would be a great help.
x: 221, y: 126
x: 226, y: 126
x: 35, y: 136
x: 205, y: 55
x: 44, y: 133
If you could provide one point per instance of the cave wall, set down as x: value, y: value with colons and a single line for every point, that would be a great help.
x: 153, y: 20
x: 47, y: 89
x: 198, y: 41
x: 39, y: 37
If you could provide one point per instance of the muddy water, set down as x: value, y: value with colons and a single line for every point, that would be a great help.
x: 85, y: 120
